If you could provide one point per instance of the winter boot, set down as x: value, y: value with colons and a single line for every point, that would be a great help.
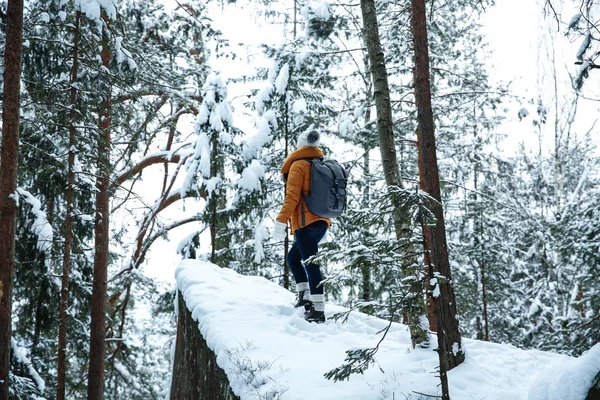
x: 316, y: 313
x: 303, y: 296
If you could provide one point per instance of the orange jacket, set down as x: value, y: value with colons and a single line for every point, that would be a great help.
x: 297, y: 178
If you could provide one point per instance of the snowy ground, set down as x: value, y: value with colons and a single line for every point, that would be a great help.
x: 266, y: 348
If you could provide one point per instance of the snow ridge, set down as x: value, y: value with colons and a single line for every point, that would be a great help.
x: 267, y: 349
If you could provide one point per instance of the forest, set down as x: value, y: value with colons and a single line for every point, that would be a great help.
x: 130, y: 124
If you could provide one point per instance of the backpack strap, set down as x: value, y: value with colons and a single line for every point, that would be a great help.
x: 303, y: 215
x: 310, y: 160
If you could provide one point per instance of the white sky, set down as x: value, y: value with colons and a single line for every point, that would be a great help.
x: 510, y: 27
x: 523, y: 42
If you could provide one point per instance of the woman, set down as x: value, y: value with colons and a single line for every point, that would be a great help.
x: 307, y: 228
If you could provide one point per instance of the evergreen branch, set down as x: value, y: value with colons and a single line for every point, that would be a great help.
x: 358, y: 361
x: 469, y: 190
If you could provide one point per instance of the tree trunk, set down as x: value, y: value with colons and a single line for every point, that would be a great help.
x: 9, y: 161
x: 70, y: 198
x: 101, y: 232
x: 484, y: 332
x: 286, y: 240
x: 387, y: 146
x: 196, y: 374
x: 365, y: 268
x: 594, y: 392
x: 216, y: 204
x: 486, y: 327
x: 436, y: 250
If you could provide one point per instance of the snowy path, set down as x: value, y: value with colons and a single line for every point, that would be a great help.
x: 265, y: 346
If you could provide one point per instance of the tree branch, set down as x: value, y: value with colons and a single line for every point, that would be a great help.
x: 146, y: 162
x: 148, y: 243
x: 591, y: 66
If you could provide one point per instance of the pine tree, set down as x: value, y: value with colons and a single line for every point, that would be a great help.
x: 293, y: 99
x: 70, y: 199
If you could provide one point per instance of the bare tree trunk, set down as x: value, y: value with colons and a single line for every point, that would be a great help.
x: 436, y: 250
x: 101, y: 231
x: 387, y: 146
x: 286, y: 240
x: 64, y: 292
x: 9, y: 161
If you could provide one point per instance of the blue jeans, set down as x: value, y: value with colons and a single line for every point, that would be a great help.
x: 306, y: 246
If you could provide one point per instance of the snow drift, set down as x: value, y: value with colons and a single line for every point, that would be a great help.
x: 268, y: 350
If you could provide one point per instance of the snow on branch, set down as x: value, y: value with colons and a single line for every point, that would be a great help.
x: 41, y: 227
x: 93, y: 9
x: 20, y: 354
x: 584, y: 46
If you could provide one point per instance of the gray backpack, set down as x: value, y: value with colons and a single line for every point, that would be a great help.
x: 328, y: 181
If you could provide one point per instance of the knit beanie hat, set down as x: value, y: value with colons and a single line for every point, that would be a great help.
x: 310, y: 138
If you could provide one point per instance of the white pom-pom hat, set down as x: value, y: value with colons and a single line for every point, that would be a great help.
x: 309, y: 138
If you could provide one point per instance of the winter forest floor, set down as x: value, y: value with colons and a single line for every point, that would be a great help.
x: 269, y: 351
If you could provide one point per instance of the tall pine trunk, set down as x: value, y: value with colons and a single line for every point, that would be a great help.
x: 101, y: 232
x: 70, y: 198
x: 387, y: 146
x: 9, y: 161
x: 436, y: 250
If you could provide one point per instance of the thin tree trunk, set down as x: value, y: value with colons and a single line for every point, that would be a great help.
x: 9, y: 161
x: 295, y: 19
x: 436, y: 250
x: 41, y: 301
x: 212, y: 202
x: 486, y: 327
x: 483, y: 333
x: 387, y: 146
x: 365, y: 268
x: 286, y: 240
x: 216, y: 203
x: 64, y: 291
x: 101, y: 231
